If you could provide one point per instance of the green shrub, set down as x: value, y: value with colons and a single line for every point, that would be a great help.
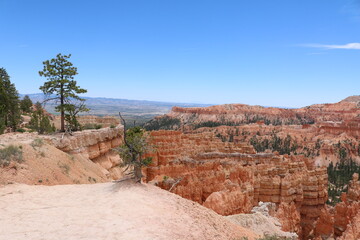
x: 91, y: 126
x: 163, y: 123
x: 10, y: 153
x: 65, y: 168
x: 21, y: 130
x: 37, y: 142
x: 112, y: 126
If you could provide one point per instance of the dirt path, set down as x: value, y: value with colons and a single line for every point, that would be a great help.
x: 107, y: 211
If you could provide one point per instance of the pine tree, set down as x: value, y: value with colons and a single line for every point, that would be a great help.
x: 134, y: 150
x: 60, y: 82
x: 39, y: 121
x: 9, y: 103
x: 26, y: 104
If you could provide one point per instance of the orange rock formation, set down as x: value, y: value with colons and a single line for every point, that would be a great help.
x: 343, y: 220
x: 231, y: 178
x: 95, y: 145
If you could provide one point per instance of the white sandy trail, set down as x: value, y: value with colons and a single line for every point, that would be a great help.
x: 106, y: 211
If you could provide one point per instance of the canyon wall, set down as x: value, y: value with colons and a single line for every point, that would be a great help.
x: 231, y: 178
x: 343, y: 220
x: 95, y: 145
x: 319, y: 131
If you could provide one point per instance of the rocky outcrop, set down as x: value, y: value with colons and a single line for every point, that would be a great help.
x: 95, y: 145
x: 235, y: 114
x: 231, y: 178
x: 262, y: 221
x: 319, y: 131
x: 342, y: 221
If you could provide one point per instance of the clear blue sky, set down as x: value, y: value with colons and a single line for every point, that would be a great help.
x: 270, y: 52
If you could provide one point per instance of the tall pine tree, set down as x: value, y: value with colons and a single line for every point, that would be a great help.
x: 60, y: 84
x: 9, y: 103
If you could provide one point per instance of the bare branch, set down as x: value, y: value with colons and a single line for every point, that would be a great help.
x: 124, y: 123
x: 176, y: 183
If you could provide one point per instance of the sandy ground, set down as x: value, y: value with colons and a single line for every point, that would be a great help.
x: 107, y: 211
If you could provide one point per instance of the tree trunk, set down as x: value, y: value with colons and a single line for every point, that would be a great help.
x: 62, y: 119
x: 138, y: 173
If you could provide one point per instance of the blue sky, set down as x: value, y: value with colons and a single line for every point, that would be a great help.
x: 270, y: 52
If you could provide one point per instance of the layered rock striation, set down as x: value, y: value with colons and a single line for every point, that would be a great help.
x: 95, y: 145
x: 342, y: 221
x: 231, y: 178
x: 322, y: 131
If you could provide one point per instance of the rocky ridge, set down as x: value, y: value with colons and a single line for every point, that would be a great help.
x: 320, y: 130
x: 342, y: 220
x: 95, y: 145
x: 84, y: 157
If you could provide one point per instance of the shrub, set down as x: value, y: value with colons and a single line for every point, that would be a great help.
x: 21, y: 130
x: 91, y: 126
x: 65, y: 168
x: 37, y: 142
x: 10, y: 153
x: 163, y: 123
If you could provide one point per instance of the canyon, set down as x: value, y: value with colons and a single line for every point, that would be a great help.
x: 227, y: 158
x: 231, y: 178
x: 224, y: 158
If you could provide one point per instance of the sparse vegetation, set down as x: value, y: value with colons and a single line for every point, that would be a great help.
x: 339, y: 177
x: 65, y: 168
x: 163, y: 123
x: 40, y: 122
x: 21, y: 130
x: 168, y: 123
x: 285, y: 145
x: 10, y: 153
x: 133, y: 151
x: 37, y: 142
x: 214, y: 124
x: 91, y: 179
x: 88, y: 126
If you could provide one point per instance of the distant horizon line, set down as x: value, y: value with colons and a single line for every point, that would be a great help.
x: 194, y: 103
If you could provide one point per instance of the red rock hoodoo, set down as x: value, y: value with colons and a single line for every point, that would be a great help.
x: 231, y: 178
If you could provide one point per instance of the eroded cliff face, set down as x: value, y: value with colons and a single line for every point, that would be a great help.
x: 235, y: 114
x: 343, y: 220
x: 322, y: 131
x: 95, y: 145
x: 232, y: 178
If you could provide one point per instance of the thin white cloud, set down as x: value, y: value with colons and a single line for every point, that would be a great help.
x: 345, y: 46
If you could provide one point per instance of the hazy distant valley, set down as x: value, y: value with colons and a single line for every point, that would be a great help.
x: 139, y: 110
